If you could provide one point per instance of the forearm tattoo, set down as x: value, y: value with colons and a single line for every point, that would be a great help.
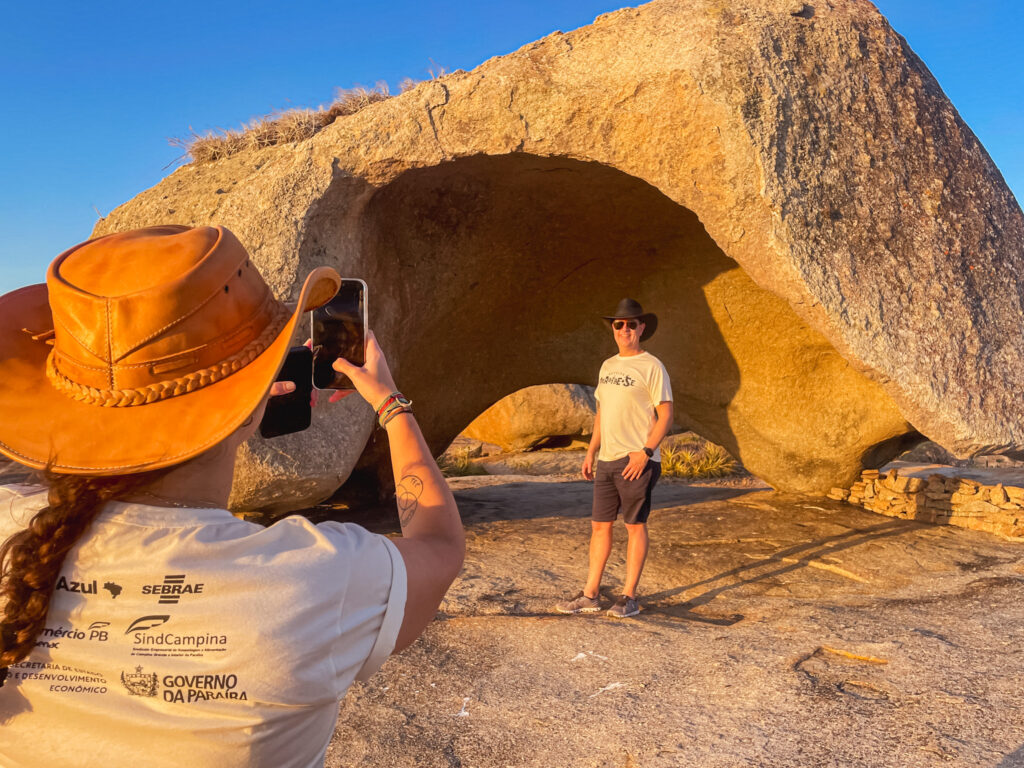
x: 408, y: 495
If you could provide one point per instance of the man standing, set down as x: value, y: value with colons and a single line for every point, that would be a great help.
x: 634, y: 413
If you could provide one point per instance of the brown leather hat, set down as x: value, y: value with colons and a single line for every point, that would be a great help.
x: 142, y: 350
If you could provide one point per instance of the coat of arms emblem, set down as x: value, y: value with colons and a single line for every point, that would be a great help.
x: 138, y: 683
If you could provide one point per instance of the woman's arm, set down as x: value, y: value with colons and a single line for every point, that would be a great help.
x: 432, y: 542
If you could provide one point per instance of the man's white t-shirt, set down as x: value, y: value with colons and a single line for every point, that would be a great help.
x: 629, y: 389
x: 190, y: 637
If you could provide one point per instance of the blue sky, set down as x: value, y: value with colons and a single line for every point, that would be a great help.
x: 92, y: 91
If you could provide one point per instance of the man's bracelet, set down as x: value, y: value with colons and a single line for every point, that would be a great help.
x: 648, y: 451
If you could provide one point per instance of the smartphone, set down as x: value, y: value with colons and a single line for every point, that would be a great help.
x: 339, y: 330
x: 292, y: 412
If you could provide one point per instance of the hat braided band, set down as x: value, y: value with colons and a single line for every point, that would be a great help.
x: 161, y: 390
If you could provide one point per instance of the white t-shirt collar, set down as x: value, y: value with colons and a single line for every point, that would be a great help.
x: 163, y: 517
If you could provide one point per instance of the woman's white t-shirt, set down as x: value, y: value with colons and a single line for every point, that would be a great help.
x: 190, y: 637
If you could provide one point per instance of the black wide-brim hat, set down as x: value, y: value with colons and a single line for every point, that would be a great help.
x: 630, y: 309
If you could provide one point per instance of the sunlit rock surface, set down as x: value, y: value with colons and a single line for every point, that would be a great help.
x: 531, y: 415
x: 834, y: 257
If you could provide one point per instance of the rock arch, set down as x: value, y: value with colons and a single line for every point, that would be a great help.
x: 526, y: 252
x: 836, y: 260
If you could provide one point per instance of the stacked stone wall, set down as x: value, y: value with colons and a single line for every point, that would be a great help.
x: 939, y: 499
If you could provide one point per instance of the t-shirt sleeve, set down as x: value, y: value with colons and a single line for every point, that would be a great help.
x: 659, y: 385
x: 373, y: 605
x: 393, y: 613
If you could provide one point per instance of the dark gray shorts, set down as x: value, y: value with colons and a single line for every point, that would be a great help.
x: 612, y: 491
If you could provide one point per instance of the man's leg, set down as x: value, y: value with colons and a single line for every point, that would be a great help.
x: 636, y: 554
x: 603, y: 514
x: 636, y: 507
x: 600, y: 548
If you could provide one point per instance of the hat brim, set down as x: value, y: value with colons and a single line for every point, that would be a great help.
x: 41, y: 427
x: 649, y: 319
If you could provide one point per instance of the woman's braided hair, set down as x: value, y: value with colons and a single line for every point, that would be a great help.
x: 31, y: 560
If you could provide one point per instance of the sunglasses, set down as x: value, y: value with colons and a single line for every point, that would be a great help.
x: 618, y: 325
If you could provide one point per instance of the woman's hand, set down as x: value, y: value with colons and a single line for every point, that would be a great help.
x: 373, y: 380
x: 281, y: 388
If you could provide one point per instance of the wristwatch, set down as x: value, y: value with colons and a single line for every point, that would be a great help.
x: 648, y: 451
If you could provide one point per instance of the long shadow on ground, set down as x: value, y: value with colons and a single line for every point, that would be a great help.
x: 567, y: 499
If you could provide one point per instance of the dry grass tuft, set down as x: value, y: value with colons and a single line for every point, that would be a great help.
x: 289, y: 125
x: 280, y: 127
x: 348, y: 102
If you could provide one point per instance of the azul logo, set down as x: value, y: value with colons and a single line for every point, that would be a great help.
x: 139, y: 684
x: 82, y: 587
x: 143, y: 623
x: 172, y: 589
x: 87, y: 587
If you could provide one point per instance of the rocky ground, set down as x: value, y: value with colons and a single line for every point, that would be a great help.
x: 777, y: 631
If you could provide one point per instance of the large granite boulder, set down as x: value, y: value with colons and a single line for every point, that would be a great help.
x: 834, y: 257
x: 298, y: 470
x: 525, y: 418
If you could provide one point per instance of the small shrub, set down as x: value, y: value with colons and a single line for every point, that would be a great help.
x: 708, y: 460
x: 459, y: 464
x: 715, y: 462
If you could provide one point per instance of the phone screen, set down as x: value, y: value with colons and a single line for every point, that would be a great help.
x: 339, y: 330
x: 292, y: 412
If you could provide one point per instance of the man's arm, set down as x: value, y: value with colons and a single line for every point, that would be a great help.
x: 660, y: 428
x: 432, y: 542
x: 595, y: 444
x: 638, y: 459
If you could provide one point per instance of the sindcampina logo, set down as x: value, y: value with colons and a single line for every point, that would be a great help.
x: 149, y: 638
x: 139, y: 684
x: 143, y: 623
x: 172, y: 589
